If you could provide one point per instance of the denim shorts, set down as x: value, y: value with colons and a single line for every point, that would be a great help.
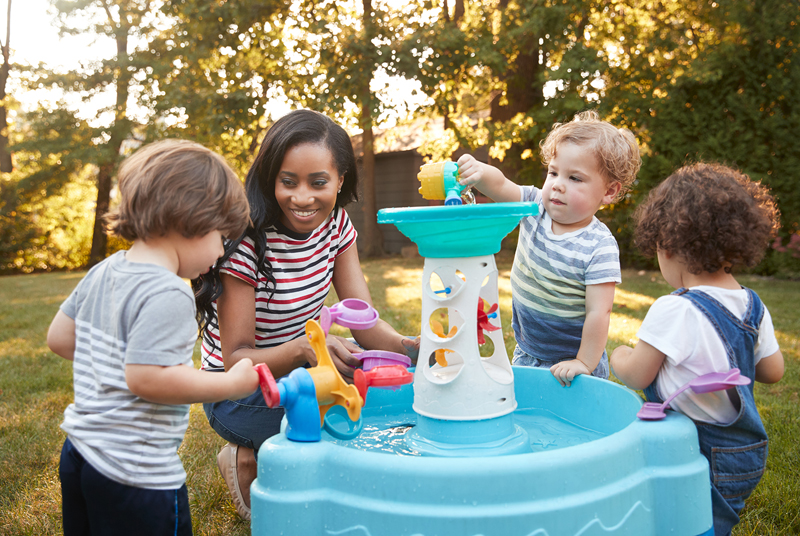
x: 247, y: 422
x: 521, y: 359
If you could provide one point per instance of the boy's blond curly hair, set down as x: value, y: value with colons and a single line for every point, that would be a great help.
x: 615, y: 148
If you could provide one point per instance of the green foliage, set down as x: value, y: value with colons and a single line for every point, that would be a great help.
x: 713, y: 82
x: 47, y: 202
x: 702, y: 80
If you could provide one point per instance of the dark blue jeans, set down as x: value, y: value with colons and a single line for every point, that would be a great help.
x: 92, y: 504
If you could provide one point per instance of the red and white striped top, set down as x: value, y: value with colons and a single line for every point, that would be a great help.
x: 302, y: 265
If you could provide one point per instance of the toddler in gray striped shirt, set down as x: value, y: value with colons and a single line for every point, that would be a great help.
x: 129, y: 327
x: 567, y: 261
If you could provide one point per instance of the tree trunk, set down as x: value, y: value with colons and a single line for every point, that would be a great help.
x: 6, y: 165
x: 372, y: 237
x: 119, y: 130
x: 99, y: 238
x: 521, y: 94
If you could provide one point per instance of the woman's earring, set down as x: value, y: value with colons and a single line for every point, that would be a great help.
x: 340, y: 191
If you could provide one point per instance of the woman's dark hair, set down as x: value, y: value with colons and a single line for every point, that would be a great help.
x: 296, y: 128
x: 712, y: 216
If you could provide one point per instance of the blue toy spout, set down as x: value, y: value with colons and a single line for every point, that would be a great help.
x: 452, y: 187
x: 453, y: 199
x: 299, y: 399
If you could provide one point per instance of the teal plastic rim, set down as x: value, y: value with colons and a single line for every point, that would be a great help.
x: 458, y: 230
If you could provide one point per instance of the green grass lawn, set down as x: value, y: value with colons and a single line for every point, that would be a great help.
x: 36, y: 386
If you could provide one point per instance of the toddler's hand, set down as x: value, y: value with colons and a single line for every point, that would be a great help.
x: 470, y: 171
x: 242, y: 379
x: 566, y: 371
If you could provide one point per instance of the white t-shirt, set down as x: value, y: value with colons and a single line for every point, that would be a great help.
x: 677, y: 328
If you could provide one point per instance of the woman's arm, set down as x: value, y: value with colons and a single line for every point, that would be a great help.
x: 349, y: 282
x: 236, y: 312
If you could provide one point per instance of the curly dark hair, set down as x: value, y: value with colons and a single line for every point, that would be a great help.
x: 712, y: 216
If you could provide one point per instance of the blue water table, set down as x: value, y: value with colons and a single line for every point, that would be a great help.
x: 476, y: 446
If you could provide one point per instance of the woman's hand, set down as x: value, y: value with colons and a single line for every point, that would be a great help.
x: 341, y: 351
x: 411, y: 348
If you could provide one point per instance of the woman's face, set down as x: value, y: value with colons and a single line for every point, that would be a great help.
x: 306, y: 187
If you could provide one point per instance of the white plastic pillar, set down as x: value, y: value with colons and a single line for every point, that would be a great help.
x: 470, y: 387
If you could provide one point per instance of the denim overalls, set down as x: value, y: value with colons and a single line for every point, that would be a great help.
x: 736, y: 452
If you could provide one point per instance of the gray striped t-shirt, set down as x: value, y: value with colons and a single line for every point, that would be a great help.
x: 129, y: 313
x: 549, y: 278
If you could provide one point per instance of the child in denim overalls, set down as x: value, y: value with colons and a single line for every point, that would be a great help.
x: 701, y: 222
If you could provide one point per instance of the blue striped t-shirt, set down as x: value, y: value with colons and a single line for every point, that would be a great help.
x: 549, y: 278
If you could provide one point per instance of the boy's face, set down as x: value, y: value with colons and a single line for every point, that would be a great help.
x: 198, y: 254
x: 575, y: 188
x: 306, y: 187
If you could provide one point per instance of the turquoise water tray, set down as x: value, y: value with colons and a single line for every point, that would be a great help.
x: 458, y: 230
x: 594, y: 469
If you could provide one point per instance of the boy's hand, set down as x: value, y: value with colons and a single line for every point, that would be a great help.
x: 566, y: 371
x: 242, y: 378
x: 470, y: 171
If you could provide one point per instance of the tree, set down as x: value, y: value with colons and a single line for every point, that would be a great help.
x: 43, y: 202
x: 231, y: 58
x: 710, y: 81
x: 120, y: 21
x: 6, y: 166
x: 526, y: 63
x: 214, y: 70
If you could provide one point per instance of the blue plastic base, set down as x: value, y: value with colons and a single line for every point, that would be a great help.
x: 493, y: 437
x: 638, y: 478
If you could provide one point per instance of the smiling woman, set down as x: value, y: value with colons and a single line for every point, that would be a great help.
x: 307, y: 187
x: 275, y: 278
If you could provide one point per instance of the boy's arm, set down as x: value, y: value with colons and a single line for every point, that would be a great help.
x: 489, y: 180
x: 770, y: 369
x: 182, y: 384
x: 599, y: 301
x: 636, y: 367
x: 61, y: 336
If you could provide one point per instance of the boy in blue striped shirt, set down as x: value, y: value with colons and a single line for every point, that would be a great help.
x: 566, y: 265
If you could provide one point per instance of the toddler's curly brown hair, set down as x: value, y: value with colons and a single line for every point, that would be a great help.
x: 615, y: 148
x: 710, y: 215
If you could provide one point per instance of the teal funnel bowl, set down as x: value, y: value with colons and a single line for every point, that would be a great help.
x: 458, y: 230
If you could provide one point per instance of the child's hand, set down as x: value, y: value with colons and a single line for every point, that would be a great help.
x: 242, y: 379
x: 566, y: 371
x: 470, y: 171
